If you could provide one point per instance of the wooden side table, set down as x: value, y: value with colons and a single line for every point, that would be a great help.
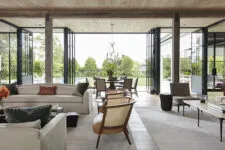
x: 2, y: 115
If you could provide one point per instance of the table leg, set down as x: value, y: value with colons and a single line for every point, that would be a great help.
x: 221, y: 129
x: 198, y: 117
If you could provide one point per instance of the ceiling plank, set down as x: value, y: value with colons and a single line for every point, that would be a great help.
x: 111, y: 13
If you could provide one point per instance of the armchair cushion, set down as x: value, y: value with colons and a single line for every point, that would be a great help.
x: 97, y: 125
x: 179, y: 89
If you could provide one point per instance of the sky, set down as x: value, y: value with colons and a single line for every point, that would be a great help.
x: 97, y: 46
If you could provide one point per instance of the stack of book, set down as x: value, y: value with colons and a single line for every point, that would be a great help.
x: 217, y: 106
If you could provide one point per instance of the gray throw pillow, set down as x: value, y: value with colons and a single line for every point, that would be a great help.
x: 81, y: 88
x: 25, y: 114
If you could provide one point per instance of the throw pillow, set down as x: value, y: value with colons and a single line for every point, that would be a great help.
x: 31, y: 124
x: 12, y: 88
x: 47, y: 90
x: 81, y: 88
x: 25, y: 114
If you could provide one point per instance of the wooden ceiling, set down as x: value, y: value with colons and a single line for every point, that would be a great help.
x: 126, y: 15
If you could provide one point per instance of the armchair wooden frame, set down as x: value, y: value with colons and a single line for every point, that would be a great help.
x: 121, y: 128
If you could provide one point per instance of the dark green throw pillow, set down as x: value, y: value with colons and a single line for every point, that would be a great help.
x: 81, y: 88
x: 25, y: 114
x: 12, y: 88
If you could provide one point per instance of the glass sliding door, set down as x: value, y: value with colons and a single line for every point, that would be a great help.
x: 8, y: 54
x: 196, y: 62
x: 165, y: 62
x: 216, y: 60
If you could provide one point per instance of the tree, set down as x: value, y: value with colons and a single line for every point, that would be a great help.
x: 136, y: 69
x: 38, y: 67
x: 58, y: 63
x: 185, y: 66
x: 90, y: 67
x: 126, y: 66
x: 166, y: 67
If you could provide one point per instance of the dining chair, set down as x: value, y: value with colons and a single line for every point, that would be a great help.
x: 127, y: 85
x: 100, y: 87
x: 135, y: 86
x: 114, y: 120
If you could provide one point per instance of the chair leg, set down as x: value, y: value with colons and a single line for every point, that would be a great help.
x: 96, y: 93
x: 136, y: 92
x: 178, y: 108
x: 98, y: 140
x: 127, y: 131
x: 128, y: 139
x: 183, y: 110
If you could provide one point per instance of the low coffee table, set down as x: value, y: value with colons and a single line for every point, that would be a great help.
x: 205, y: 108
x: 2, y: 115
x: 56, y: 109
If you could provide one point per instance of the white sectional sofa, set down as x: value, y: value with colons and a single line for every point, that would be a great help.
x: 65, y: 97
x: 51, y: 137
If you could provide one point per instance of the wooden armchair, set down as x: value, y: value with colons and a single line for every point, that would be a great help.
x: 114, y: 119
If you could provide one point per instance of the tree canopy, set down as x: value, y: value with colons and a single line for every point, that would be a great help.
x: 90, y: 67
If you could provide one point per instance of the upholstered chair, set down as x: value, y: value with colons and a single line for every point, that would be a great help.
x: 114, y: 120
x: 100, y: 86
x: 135, y: 86
x: 128, y: 85
x: 180, y: 92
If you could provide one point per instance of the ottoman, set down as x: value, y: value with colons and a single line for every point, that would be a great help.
x: 166, y: 101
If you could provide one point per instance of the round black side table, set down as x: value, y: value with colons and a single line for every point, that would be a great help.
x: 166, y: 101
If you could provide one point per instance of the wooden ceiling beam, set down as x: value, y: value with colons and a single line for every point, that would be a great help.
x: 111, y: 13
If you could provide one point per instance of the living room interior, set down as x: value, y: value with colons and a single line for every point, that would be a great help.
x: 40, y: 67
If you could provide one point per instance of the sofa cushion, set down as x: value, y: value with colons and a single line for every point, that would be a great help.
x: 43, y: 99
x: 28, y: 89
x: 81, y: 88
x: 31, y: 124
x: 65, y: 90
x: 25, y: 114
x: 47, y: 90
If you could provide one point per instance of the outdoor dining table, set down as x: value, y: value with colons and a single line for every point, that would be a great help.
x: 112, y: 83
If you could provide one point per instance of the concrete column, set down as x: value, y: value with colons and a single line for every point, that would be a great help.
x: 48, y: 49
x: 176, y: 48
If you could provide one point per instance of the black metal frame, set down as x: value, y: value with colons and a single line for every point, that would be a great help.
x: 204, y: 60
x: 19, y: 56
x: 66, y: 31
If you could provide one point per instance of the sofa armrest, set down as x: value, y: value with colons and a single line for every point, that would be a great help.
x: 19, y: 138
x: 53, y: 135
x: 87, y: 98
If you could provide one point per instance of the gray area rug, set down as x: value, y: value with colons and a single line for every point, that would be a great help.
x: 172, y: 131
x: 83, y: 138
